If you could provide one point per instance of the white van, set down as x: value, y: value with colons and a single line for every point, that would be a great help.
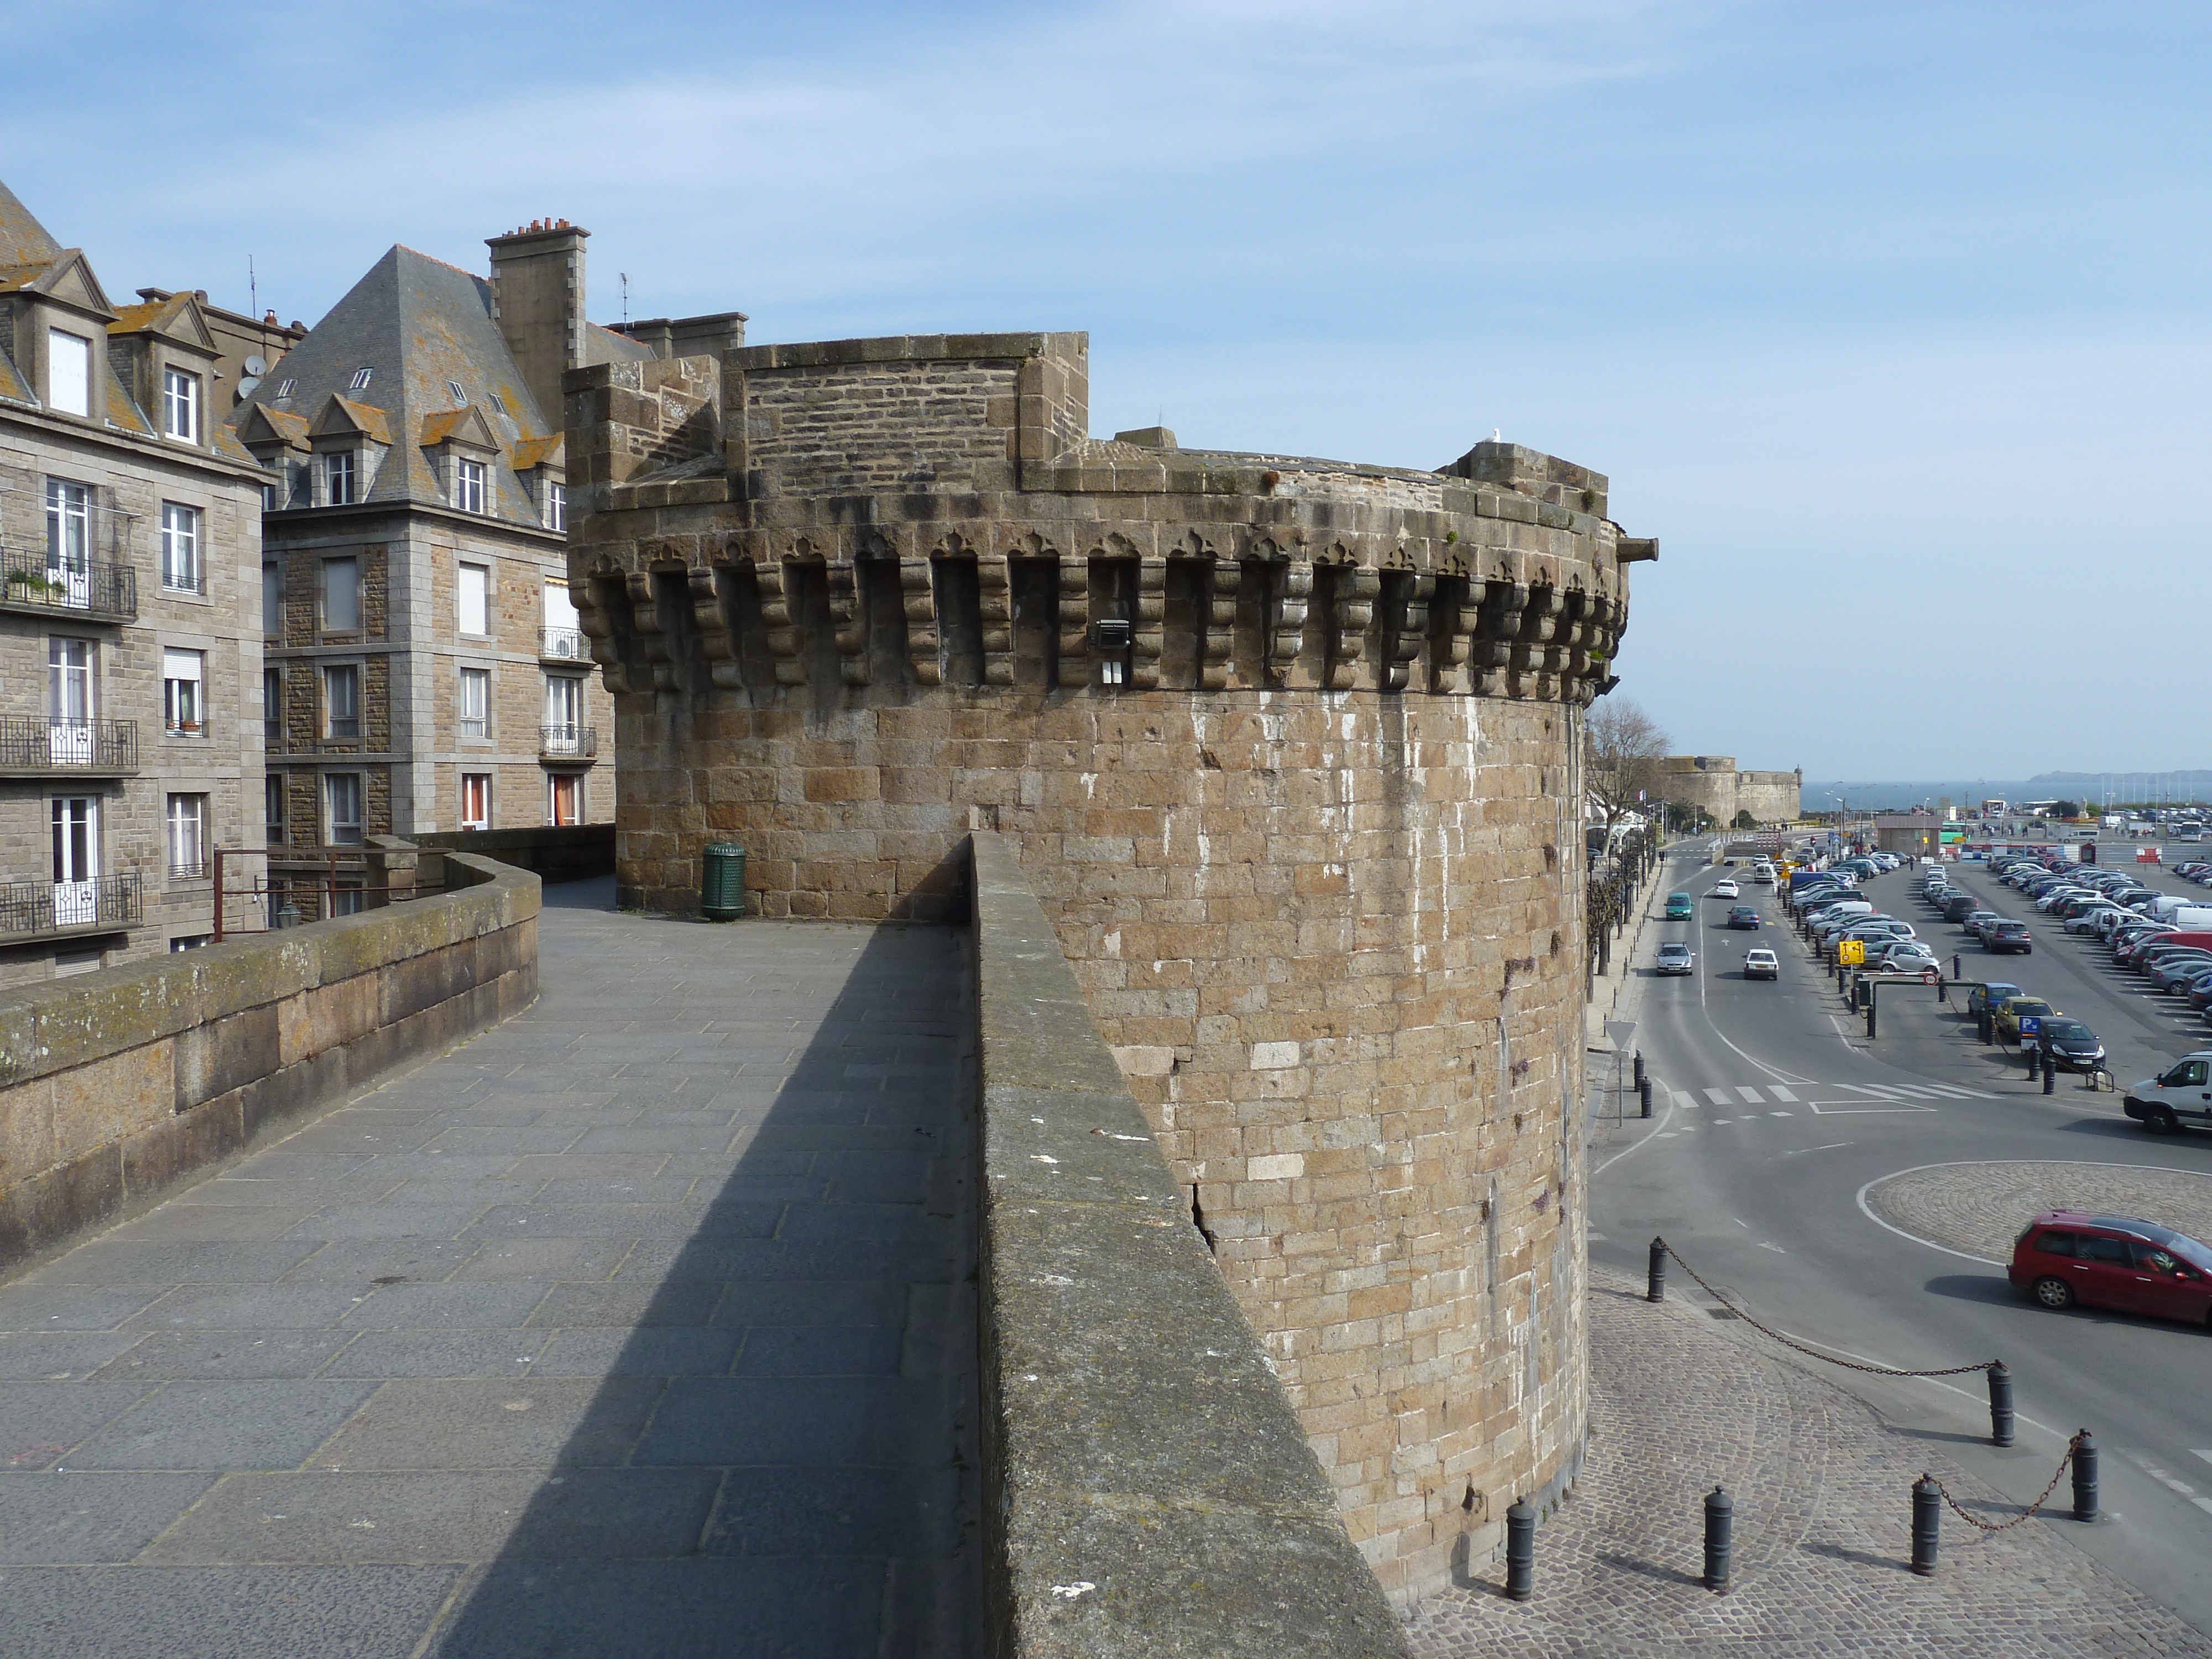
x: 2181, y: 1094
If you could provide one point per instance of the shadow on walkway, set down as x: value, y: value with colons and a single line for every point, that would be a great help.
x: 781, y: 1457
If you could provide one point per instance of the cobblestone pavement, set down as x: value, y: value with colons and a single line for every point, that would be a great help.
x: 1822, y: 1526
x: 1980, y: 1207
x: 639, y: 1325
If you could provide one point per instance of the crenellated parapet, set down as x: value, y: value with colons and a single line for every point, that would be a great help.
x: 927, y: 512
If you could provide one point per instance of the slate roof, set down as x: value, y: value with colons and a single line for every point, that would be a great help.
x: 415, y: 324
x: 23, y: 239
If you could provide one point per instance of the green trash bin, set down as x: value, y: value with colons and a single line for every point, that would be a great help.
x: 722, y: 881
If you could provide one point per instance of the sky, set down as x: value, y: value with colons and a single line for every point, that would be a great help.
x: 1889, y: 321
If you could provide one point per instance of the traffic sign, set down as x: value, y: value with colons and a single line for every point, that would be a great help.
x: 1851, y: 952
x: 1930, y: 975
x: 2030, y: 1026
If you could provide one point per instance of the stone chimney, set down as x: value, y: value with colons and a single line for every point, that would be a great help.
x: 537, y: 296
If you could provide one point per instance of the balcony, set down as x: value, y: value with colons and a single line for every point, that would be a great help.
x: 564, y: 645
x: 106, y: 904
x: 31, y: 747
x: 86, y: 592
x: 567, y: 743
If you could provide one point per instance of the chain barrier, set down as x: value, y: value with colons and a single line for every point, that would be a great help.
x: 2065, y: 1459
x: 1811, y: 1352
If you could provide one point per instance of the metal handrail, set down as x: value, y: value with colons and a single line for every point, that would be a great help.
x: 27, y: 578
x: 28, y: 744
x: 28, y: 907
x: 564, y: 645
x: 567, y: 742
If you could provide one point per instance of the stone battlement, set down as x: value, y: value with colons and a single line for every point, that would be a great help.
x: 1289, y: 752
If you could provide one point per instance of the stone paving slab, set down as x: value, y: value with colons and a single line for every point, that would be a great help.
x: 1822, y: 1526
x: 640, y: 1325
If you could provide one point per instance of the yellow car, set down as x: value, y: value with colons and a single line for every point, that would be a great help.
x: 2010, y: 1010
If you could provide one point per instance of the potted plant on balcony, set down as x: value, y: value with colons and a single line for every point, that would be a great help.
x: 29, y: 586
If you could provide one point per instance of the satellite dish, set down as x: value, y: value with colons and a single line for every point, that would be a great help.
x: 255, y: 366
x: 246, y: 386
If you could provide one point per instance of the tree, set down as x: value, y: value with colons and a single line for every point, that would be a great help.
x: 1745, y: 820
x: 1622, y: 747
x: 2066, y: 809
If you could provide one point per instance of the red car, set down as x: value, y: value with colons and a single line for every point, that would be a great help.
x: 2065, y: 1257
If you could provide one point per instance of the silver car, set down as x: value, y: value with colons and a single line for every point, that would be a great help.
x: 1676, y: 958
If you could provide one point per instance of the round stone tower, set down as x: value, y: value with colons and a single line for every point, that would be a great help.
x: 1291, y: 752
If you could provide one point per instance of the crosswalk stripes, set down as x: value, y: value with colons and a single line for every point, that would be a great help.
x: 1719, y: 1097
x: 1779, y: 1092
x: 1683, y: 1102
x: 1751, y: 1095
x: 1910, y: 1096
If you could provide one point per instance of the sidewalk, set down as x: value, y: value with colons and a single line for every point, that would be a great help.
x: 640, y: 1324
x: 1822, y: 1526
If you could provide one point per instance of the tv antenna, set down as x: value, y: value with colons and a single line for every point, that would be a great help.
x: 625, y: 285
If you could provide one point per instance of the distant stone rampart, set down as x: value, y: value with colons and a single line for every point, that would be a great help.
x: 1290, y: 752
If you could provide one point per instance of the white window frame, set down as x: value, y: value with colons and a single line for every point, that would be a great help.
x: 184, y: 692
x: 187, y: 819
x: 339, y: 470
x: 354, y: 626
x: 69, y: 526
x: 564, y: 705
x: 556, y: 507
x: 480, y: 575
x: 475, y: 703
x: 554, y: 783
x: 339, y: 831
x: 479, y: 785
x: 68, y: 373
x: 180, y: 549
x: 468, y: 485
x: 346, y: 674
x: 181, y: 404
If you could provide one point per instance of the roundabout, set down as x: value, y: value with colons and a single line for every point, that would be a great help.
x: 1978, y: 1209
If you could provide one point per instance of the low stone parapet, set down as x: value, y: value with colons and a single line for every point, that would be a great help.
x: 1148, y: 1488
x: 115, y: 1084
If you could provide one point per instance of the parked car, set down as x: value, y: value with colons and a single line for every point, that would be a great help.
x: 1909, y: 957
x: 1985, y: 997
x: 1678, y: 908
x: 1957, y: 906
x: 2000, y: 936
x: 2069, y: 1043
x: 2013, y: 1010
x: 1743, y: 916
x: 2065, y: 1256
x: 2181, y: 1095
x: 1676, y: 958
x: 1977, y: 920
x: 1726, y: 888
x: 1761, y: 964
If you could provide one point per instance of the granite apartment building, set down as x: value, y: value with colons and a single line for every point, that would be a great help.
x: 423, y: 668
x: 129, y: 640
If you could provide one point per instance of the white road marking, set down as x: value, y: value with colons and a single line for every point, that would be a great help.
x: 1719, y: 1122
x: 1831, y: 1146
x: 1776, y: 1249
x: 1917, y: 1092
x: 1781, y: 1093
x: 1741, y: 1222
x: 2206, y: 1455
x: 1752, y: 1097
x: 2161, y: 1475
x: 1863, y: 1108
x: 1782, y: 1114
x: 1719, y: 1097
x: 1683, y: 1100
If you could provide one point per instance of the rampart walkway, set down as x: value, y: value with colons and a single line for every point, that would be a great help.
x: 642, y: 1324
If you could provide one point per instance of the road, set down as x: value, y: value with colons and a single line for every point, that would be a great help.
x: 1773, y: 1112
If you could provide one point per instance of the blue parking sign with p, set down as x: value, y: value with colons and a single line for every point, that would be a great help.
x: 2030, y: 1026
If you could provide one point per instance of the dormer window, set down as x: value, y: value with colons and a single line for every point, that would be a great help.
x: 284, y: 388
x: 360, y: 381
x: 338, y: 478
x: 556, y: 507
x: 68, y: 373
x: 468, y: 485
x: 459, y: 396
x: 180, y: 405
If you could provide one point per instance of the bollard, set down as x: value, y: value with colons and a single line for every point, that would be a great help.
x: 1639, y: 1068
x: 1656, y: 1288
x: 1985, y: 1026
x: 1720, y: 1539
x: 1943, y: 991
x: 1927, y: 1523
x: 2085, y: 1477
x: 1870, y: 1013
x: 1645, y: 1089
x: 1520, y: 1550
x: 2050, y: 1073
x: 2000, y: 1405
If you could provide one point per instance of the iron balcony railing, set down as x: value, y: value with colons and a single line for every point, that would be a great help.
x: 28, y: 744
x: 567, y: 742
x: 564, y: 645
x: 90, y: 587
x: 30, y: 907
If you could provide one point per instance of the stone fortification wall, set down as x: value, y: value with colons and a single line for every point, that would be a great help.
x: 113, y: 1084
x: 1135, y: 1436
x: 1712, y: 783
x: 1306, y: 833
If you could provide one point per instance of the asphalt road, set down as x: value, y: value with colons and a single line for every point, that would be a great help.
x: 1773, y: 1112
